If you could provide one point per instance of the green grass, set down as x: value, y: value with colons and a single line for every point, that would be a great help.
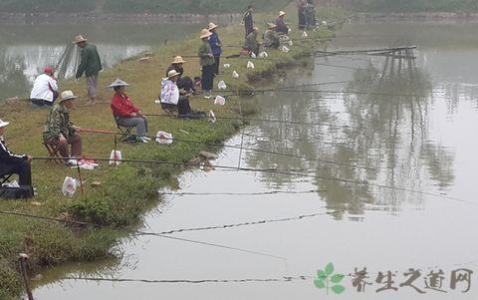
x: 415, y: 5
x: 130, y: 190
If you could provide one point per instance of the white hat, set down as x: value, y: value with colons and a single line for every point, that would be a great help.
x: 67, y: 95
x: 3, y: 123
x: 205, y: 33
x: 173, y: 73
x: 282, y: 13
x: 79, y: 39
x: 212, y: 26
x: 118, y: 82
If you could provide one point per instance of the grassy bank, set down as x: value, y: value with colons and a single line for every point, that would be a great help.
x: 130, y: 190
x: 409, y: 6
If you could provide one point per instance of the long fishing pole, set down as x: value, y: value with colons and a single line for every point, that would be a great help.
x: 294, y: 173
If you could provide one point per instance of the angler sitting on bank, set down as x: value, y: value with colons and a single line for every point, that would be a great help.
x: 60, y: 132
x: 184, y: 82
x: 173, y: 99
x: 15, y: 164
x: 251, y: 44
x: 125, y: 113
x: 282, y: 27
x: 271, y: 39
x: 45, y: 89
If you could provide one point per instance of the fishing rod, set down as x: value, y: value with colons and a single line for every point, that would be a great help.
x: 394, y: 49
x: 190, y: 281
x: 294, y: 173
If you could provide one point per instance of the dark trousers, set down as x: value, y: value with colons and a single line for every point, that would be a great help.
x: 76, y: 146
x: 217, y: 63
x: 207, y: 78
x: 302, y: 19
x: 186, y: 83
x: 23, y: 169
x: 41, y: 103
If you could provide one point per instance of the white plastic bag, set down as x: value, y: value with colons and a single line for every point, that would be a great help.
x: 250, y: 65
x: 220, y: 100
x: 235, y: 74
x: 212, y: 117
x: 222, y: 85
x: 115, y: 158
x: 284, y: 49
x: 164, y: 138
x: 253, y: 55
x: 263, y: 54
x: 69, y: 186
x: 304, y: 34
x: 291, y: 43
x: 227, y: 66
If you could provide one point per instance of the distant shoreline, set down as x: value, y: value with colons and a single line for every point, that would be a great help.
x: 85, y: 18
x: 418, y: 16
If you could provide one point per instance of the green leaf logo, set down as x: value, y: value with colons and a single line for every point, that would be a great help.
x: 329, y: 281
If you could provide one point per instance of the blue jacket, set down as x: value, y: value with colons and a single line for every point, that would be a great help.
x: 215, y: 44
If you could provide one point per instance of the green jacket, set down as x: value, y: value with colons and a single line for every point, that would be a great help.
x: 251, y: 43
x: 271, y: 39
x: 90, y: 62
x: 203, y: 54
x: 58, y: 122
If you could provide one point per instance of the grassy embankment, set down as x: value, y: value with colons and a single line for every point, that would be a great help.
x: 129, y: 190
x: 412, y: 6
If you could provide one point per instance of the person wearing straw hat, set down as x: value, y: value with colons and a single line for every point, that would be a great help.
x: 251, y: 45
x: 248, y: 20
x: 271, y: 39
x: 90, y: 65
x: 216, y: 45
x: 60, y: 132
x: 45, y: 89
x: 207, y: 63
x: 126, y: 113
x: 172, y: 99
x: 14, y: 164
x: 282, y: 27
x: 184, y: 82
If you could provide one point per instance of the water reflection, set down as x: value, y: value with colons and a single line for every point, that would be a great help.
x: 375, y: 132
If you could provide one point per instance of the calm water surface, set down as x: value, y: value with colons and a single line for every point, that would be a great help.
x: 25, y: 50
x: 393, y: 160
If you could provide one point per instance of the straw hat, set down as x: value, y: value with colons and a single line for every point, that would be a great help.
x: 67, y: 95
x: 212, y: 26
x: 118, y: 82
x: 178, y: 60
x: 79, y: 39
x: 205, y: 33
x: 173, y: 73
x: 282, y: 13
x: 3, y: 123
x: 271, y: 25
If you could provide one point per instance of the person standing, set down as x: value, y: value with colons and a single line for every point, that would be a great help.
x: 248, y: 20
x: 90, y: 65
x: 301, y: 7
x: 45, y: 89
x: 216, y: 45
x: 60, y: 132
x: 15, y: 164
x: 207, y: 63
x: 282, y: 27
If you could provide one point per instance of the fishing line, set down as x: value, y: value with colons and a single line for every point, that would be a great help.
x: 188, y: 281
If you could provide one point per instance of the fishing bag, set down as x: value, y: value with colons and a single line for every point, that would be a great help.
x: 22, y: 192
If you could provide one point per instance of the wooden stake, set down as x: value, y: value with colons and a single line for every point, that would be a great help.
x: 23, y: 270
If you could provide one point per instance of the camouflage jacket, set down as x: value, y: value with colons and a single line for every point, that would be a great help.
x: 58, y: 122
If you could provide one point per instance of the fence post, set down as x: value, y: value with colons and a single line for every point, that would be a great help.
x: 23, y: 259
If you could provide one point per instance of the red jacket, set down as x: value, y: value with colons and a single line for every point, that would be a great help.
x: 122, y: 106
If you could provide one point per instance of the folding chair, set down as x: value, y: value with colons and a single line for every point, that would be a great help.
x: 169, y: 109
x: 5, y: 178
x: 54, y: 153
x: 124, y: 131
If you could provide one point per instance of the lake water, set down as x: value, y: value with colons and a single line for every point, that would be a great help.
x: 25, y: 50
x: 379, y: 174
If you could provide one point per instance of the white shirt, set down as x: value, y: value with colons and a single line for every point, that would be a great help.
x: 42, y: 88
x: 169, y: 92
